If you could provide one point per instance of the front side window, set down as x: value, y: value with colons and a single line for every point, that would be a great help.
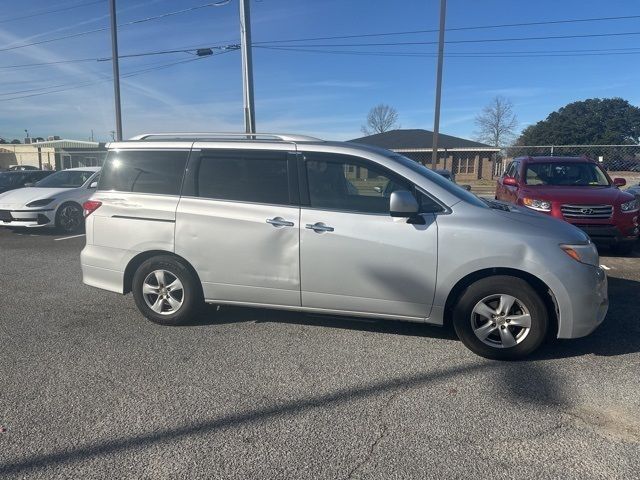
x: 138, y: 171
x: 339, y: 182
x: 244, y: 176
x: 66, y: 179
x: 578, y: 174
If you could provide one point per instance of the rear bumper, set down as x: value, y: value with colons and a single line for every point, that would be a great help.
x: 27, y: 218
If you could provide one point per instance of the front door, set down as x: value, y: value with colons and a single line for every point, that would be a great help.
x: 237, y: 224
x: 354, y: 256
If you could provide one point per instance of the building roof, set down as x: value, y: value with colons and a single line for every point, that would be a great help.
x: 66, y: 143
x: 419, y: 139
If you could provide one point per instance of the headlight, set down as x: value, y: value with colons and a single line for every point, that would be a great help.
x: 40, y: 203
x: 629, y: 207
x: 534, y: 204
x: 583, y: 253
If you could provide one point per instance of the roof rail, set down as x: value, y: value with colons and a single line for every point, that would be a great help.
x: 225, y: 136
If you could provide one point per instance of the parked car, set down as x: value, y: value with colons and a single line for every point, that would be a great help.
x: 282, y: 221
x: 19, y: 179
x: 55, y: 201
x: 634, y: 190
x: 577, y: 190
x: 450, y: 176
x: 16, y: 168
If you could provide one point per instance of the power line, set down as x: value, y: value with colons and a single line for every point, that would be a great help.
x: 133, y: 22
x: 45, y: 12
x: 134, y: 73
x: 190, y: 50
x: 627, y: 51
x: 477, y: 27
x: 485, y: 40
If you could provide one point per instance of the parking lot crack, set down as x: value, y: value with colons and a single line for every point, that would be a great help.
x: 382, y: 433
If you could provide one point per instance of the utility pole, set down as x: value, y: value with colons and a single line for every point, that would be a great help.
x: 116, y: 68
x: 247, y: 67
x: 436, y: 120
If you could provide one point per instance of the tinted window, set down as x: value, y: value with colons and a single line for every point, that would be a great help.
x: 566, y: 174
x: 259, y: 177
x: 10, y: 179
x: 338, y: 182
x: 158, y: 172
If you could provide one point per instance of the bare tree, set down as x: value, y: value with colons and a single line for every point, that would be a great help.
x: 380, y: 119
x: 497, y: 123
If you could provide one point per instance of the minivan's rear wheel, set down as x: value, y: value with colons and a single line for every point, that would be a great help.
x: 69, y: 217
x: 165, y: 291
x: 501, y: 317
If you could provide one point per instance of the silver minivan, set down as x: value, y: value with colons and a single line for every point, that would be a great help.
x: 297, y: 223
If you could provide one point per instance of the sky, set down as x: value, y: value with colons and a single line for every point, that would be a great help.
x: 320, y: 93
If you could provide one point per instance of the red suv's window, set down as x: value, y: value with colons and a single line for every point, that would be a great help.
x: 566, y: 174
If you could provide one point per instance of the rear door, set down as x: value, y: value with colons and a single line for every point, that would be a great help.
x: 139, y: 191
x: 354, y: 256
x: 238, y: 223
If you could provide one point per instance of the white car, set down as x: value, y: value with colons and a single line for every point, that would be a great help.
x: 55, y: 201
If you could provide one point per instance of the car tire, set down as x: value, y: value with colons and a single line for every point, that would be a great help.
x: 623, y: 248
x: 166, y: 291
x: 487, y: 329
x: 69, y: 218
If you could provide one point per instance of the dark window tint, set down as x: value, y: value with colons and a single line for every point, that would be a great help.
x: 158, y: 172
x: 259, y: 177
x: 338, y: 182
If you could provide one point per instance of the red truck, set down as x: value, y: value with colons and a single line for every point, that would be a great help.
x: 577, y: 190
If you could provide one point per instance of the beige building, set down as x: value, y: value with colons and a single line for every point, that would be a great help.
x: 53, y: 154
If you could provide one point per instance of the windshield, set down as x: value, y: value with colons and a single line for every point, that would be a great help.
x: 65, y: 179
x: 9, y: 179
x: 566, y: 174
x: 446, y: 184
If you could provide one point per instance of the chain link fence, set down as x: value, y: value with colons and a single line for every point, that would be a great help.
x: 618, y: 160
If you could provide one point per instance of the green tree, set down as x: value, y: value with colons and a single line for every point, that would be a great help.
x: 606, y: 121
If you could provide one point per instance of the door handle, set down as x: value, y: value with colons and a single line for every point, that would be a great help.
x: 279, y: 222
x: 319, y: 227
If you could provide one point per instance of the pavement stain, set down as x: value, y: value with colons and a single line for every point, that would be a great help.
x: 611, y: 422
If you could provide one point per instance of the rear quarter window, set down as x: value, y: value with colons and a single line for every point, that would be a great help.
x: 137, y: 171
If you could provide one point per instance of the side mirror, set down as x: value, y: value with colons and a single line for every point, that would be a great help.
x: 619, y: 182
x: 466, y: 187
x: 510, y: 181
x: 93, y: 185
x: 403, y: 204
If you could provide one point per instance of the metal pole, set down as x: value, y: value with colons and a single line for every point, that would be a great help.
x: 436, y: 120
x: 247, y: 67
x: 116, y: 68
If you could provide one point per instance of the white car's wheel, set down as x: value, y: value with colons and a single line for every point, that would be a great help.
x: 69, y: 217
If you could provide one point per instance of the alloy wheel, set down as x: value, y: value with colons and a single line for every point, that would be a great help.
x: 501, y: 321
x: 163, y: 292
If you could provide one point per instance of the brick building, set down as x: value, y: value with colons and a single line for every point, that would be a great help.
x: 467, y: 159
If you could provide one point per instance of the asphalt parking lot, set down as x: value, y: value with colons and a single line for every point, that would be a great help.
x: 90, y: 389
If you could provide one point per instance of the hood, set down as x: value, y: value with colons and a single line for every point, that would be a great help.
x: 577, y: 195
x: 20, y: 197
x: 530, y: 222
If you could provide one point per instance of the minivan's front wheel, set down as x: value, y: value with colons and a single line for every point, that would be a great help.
x: 501, y: 317
x: 165, y: 291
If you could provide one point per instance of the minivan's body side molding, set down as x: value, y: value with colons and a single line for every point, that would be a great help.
x: 127, y: 217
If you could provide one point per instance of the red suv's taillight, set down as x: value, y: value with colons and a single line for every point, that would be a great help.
x: 90, y: 206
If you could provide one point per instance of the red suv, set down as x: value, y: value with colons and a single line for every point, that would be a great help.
x: 576, y: 190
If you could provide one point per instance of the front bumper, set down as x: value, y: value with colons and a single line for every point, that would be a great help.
x: 588, y: 302
x: 32, y: 218
x: 609, y: 234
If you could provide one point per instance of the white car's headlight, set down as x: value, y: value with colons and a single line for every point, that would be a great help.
x: 535, y: 204
x: 584, y: 253
x: 40, y: 203
x: 630, y: 207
